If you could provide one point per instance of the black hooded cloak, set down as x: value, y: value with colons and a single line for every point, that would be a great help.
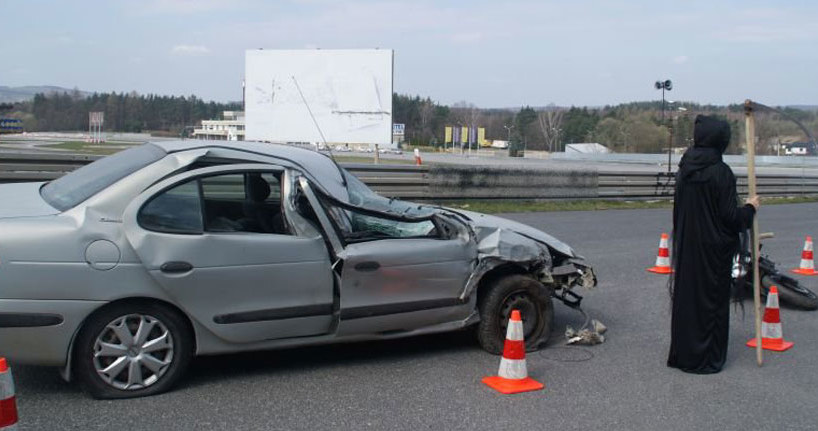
x: 706, y: 225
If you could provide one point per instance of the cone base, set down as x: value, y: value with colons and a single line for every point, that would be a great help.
x: 512, y: 386
x: 771, y: 344
x: 661, y: 270
x: 802, y: 271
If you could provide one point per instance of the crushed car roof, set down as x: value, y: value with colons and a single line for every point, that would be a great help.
x: 315, y: 164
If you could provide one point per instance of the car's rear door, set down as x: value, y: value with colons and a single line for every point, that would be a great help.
x: 203, y: 236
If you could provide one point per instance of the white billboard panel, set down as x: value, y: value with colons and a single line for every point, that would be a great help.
x: 347, y: 92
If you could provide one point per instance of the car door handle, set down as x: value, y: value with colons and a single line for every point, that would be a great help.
x: 175, y: 267
x: 367, y: 266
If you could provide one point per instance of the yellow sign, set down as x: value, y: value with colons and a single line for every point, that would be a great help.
x: 464, y: 135
x: 448, y: 137
x: 481, y: 137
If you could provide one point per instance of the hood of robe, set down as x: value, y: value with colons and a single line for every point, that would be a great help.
x: 710, y: 138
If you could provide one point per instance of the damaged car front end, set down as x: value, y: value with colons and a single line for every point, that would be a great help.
x: 511, y: 265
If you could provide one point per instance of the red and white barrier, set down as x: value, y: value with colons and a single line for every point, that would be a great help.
x: 662, y: 257
x: 8, y: 401
x: 772, y: 334
x: 807, y: 266
x: 512, y: 377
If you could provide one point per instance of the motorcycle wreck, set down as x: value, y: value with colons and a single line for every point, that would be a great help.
x: 790, y: 291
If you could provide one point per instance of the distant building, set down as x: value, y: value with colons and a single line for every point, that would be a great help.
x: 230, y: 128
x: 586, y: 148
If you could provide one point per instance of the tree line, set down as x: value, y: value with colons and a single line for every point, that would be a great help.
x: 124, y: 112
x: 642, y: 127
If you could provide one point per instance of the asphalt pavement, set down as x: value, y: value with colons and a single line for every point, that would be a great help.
x: 433, y: 382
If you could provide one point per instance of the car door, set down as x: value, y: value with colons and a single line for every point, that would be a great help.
x: 400, y: 276
x: 202, y: 236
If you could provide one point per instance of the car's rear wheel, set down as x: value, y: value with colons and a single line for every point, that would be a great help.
x: 506, y: 294
x: 132, y: 350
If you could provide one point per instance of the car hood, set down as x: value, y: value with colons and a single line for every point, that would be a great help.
x: 23, y: 200
x: 485, y: 225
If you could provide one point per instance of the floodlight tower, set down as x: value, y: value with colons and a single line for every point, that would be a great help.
x: 665, y: 85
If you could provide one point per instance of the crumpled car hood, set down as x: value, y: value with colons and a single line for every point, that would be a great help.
x: 494, y: 231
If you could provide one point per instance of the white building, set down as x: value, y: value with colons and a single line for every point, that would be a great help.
x: 231, y: 128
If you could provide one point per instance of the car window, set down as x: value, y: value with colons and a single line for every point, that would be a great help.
x: 355, y: 226
x: 177, y: 210
x: 74, y: 188
x: 235, y: 202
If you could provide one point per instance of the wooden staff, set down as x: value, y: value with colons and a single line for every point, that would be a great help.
x: 751, y: 182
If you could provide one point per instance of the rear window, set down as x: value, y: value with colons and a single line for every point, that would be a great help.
x: 74, y: 188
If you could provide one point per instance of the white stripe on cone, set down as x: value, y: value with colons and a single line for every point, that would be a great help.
x: 512, y: 369
x: 772, y: 300
x: 807, y: 263
x: 514, y: 331
x: 771, y: 330
x: 662, y: 261
x: 6, y: 385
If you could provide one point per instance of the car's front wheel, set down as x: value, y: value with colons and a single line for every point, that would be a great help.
x: 515, y: 292
x: 132, y: 350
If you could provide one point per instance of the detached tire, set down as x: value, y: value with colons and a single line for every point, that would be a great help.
x: 515, y: 292
x: 132, y: 350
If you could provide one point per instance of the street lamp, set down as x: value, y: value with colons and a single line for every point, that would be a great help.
x: 665, y: 85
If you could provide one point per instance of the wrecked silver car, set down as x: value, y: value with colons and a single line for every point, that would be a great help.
x: 121, y: 271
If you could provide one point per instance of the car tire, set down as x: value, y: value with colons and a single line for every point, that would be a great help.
x: 527, y: 295
x: 109, y: 365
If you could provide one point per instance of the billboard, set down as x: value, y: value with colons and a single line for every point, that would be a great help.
x: 300, y: 95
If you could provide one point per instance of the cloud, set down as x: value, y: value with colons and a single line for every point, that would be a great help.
x: 186, y: 7
x: 680, y: 59
x: 467, y: 37
x: 64, y: 40
x: 191, y: 50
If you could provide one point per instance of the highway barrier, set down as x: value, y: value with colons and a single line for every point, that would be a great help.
x: 459, y: 182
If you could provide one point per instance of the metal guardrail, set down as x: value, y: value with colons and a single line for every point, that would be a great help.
x: 416, y: 182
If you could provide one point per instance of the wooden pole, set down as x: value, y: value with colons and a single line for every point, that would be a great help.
x: 751, y: 182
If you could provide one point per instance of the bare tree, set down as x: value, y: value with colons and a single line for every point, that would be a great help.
x: 550, y: 122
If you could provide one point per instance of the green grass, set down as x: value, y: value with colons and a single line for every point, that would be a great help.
x: 84, y: 148
x: 498, y: 206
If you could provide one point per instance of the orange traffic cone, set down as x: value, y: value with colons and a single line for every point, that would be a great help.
x: 8, y: 402
x: 513, y: 377
x: 807, y: 263
x: 418, y: 162
x: 662, y: 258
x: 772, y: 336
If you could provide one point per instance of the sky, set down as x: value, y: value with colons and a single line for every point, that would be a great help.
x: 488, y: 53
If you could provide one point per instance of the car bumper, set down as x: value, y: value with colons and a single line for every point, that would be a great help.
x: 39, y: 332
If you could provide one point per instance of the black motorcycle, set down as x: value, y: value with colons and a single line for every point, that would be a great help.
x: 790, y: 290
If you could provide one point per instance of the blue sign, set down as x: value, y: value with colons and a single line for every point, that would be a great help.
x: 10, y: 124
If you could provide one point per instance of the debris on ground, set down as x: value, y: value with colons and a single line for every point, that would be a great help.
x: 586, y: 336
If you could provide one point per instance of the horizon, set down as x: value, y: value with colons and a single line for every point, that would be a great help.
x: 495, y: 56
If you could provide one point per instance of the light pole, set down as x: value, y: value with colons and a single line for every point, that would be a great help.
x: 508, y: 128
x: 665, y: 85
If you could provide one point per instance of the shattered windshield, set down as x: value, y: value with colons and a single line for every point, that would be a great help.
x: 360, y: 195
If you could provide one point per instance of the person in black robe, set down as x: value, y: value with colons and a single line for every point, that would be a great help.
x: 706, y: 227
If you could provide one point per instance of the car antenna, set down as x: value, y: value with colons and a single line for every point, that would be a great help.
x: 314, y: 121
